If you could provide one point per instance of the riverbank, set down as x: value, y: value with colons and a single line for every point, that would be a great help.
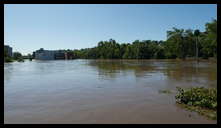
x: 10, y: 60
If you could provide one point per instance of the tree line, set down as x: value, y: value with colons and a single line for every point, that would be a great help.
x: 180, y: 43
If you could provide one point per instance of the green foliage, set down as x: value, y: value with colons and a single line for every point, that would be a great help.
x: 198, y: 96
x: 17, y: 55
x: 210, y: 40
x: 196, y: 32
x: 199, y: 99
x: 180, y: 43
x: 8, y: 59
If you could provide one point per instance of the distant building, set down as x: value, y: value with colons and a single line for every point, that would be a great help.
x: 42, y: 54
x: 59, y: 55
x: 9, y: 50
x: 33, y: 55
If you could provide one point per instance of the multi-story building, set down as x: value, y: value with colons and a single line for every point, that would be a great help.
x: 9, y: 50
x: 42, y: 54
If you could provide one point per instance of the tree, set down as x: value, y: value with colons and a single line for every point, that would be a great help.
x: 196, y: 34
x: 211, y: 30
x: 175, y: 39
x: 17, y: 55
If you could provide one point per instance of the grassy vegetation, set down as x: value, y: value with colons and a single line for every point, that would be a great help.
x: 8, y: 59
x: 11, y: 59
x: 199, y: 99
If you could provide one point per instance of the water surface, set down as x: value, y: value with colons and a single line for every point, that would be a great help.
x: 102, y: 91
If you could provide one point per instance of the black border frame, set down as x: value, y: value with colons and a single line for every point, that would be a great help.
x: 2, y: 2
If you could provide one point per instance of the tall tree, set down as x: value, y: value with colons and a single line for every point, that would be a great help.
x: 196, y: 34
x: 177, y: 37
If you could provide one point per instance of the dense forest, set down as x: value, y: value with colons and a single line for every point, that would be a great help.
x: 180, y: 43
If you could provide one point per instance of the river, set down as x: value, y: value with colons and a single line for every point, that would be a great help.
x: 102, y: 91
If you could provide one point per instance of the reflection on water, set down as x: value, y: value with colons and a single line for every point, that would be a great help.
x: 174, y: 70
x: 100, y: 91
x: 113, y: 68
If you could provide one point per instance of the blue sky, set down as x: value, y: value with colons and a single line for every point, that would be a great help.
x: 30, y: 27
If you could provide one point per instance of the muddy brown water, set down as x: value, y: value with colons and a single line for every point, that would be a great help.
x: 102, y: 91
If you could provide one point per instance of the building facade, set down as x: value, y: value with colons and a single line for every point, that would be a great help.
x: 9, y: 50
x: 42, y: 54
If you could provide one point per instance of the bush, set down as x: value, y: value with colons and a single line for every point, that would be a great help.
x: 8, y: 59
x: 198, y: 96
x: 199, y: 99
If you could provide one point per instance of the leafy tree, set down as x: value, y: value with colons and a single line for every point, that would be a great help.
x: 178, y: 38
x: 211, y: 37
x: 17, y: 55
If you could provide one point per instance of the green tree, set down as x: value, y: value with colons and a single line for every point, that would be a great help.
x: 17, y: 55
x: 196, y: 34
x: 178, y: 38
x: 211, y: 38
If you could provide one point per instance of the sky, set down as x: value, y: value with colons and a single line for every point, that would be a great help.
x: 30, y: 27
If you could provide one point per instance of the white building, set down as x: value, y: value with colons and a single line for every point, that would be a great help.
x: 42, y: 54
